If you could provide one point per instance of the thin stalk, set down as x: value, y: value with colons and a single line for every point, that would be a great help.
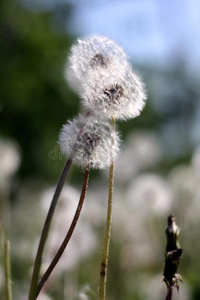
x: 68, y: 235
x: 8, y: 271
x: 45, y: 231
x: 169, y: 293
x: 104, y: 261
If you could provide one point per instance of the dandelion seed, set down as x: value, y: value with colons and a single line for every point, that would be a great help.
x: 89, y: 141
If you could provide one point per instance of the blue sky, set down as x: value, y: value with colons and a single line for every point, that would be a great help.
x: 151, y: 31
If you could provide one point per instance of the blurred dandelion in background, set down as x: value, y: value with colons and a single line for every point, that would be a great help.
x: 84, y: 239
x: 9, y: 160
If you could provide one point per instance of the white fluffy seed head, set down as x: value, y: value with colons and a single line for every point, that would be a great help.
x: 89, y: 141
x: 94, y: 53
x: 121, y: 97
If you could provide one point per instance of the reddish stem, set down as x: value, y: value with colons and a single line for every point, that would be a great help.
x: 68, y: 235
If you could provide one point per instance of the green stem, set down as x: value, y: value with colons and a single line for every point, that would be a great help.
x: 45, y: 231
x: 68, y: 235
x: 104, y: 261
x: 8, y: 271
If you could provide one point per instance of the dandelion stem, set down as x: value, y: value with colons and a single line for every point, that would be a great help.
x: 8, y: 271
x: 68, y: 235
x: 45, y: 231
x: 169, y: 293
x: 104, y: 261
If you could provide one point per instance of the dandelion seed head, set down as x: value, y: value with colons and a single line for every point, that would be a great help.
x: 121, y: 97
x: 150, y: 193
x: 142, y: 150
x: 99, y: 71
x: 89, y: 141
x: 94, y: 52
x: 184, y: 181
x: 84, y: 240
x: 9, y: 161
x: 82, y: 296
